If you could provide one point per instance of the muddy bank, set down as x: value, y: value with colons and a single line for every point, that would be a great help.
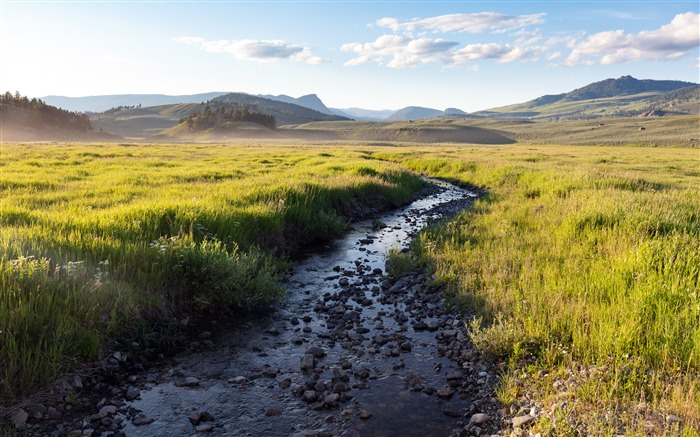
x: 348, y: 352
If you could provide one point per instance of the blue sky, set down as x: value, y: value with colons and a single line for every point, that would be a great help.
x: 376, y: 55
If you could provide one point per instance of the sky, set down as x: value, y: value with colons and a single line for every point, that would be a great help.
x: 470, y: 55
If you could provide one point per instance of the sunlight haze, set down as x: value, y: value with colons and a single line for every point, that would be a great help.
x: 378, y: 55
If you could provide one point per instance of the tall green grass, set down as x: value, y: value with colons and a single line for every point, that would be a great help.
x: 97, y: 238
x: 580, y: 258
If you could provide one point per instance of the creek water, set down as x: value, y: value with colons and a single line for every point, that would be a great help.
x: 249, y: 379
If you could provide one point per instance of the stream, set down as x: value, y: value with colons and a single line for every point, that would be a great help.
x: 347, y: 352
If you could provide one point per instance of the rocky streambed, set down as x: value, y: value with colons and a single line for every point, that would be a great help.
x: 348, y: 353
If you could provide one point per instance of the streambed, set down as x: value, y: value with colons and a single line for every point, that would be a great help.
x: 346, y: 353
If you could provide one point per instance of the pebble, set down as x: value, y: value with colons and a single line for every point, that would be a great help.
x: 238, y: 380
x: 308, y: 362
x: 450, y: 412
x: 364, y: 415
x: 207, y: 427
x: 19, y: 417
x: 479, y: 418
x: 272, y: 412
x: 445, y: 393
x: 521, y: 421
x: 141, y: 420
x: 190, y: 381
x: 105, y: 411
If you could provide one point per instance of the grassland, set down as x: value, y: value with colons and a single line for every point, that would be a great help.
x: 584, y: 265
x: 97, y: 240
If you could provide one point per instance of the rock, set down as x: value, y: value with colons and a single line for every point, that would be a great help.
x: 141, y: 420
x: 208, y: 427
x: 285, y: 383
x: 195, y: 418
x: 132, y: 393
x: 54, y: 414
x: 343, y: 282
x: 190, y: 381
x: 454, y: 375
x: 297, y: 340
x: 406, y: 346
x: 364, y: 415
x: 331, y: 399
x: 308, y: 362
x: 272, y: 412
x: 316, y: 351
x: 479, y: 418
x: 309, y: 396
x: 449, y: 333
x: 450, y: 412
x: 37, y: 411
x: 340, y: 374
x: 105, y: 411
x: 77, y: 382
x: 205, y: 335
x: 521, y: 421
x: 238, y: 380
x: 19, y: 417
x: 445, y: 393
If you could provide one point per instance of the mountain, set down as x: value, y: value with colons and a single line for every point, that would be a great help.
x: 139, y: 123
x: 364, y: 114
x: 420, y: 113
x: 454, y: 112
x: 284, y: 112
x: 311, y: 101
x: 625, y: 96
x: 415, y: 113
x: 103, y: 103
x: 143, y: 122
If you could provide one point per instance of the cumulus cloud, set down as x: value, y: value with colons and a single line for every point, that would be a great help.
x: 471, y: 23
x: 669, y: 42
x: 397, y: 51
x: 405, y: 49
x: 256, y: 50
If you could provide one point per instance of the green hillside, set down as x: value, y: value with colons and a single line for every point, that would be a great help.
x: 623, y: 97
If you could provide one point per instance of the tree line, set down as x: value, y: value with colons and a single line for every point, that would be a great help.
x: 39, y: 113
x: 209, y: 117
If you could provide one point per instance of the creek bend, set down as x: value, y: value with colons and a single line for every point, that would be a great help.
x: 346, y: 353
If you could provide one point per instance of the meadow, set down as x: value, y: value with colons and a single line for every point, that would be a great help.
x: 101, y: 240
x: 581, y: 264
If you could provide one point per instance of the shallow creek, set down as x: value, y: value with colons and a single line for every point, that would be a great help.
x: 346, y: 353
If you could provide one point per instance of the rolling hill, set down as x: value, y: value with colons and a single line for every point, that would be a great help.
x: 625, y: 96
x: 103, y: 103
x: 22, y: 119
x: 310, y: 101
x: 144, y: 122
x: 285, y: 113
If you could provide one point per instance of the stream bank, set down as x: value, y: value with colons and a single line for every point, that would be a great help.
x: 349, y: 352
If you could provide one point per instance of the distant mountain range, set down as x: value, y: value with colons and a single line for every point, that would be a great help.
x: 144, y: 115
x: 103, y: 103
x: 622, y: 97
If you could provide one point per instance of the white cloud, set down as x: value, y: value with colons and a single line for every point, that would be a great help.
x: 669, y: 42
x: 471, y: 23
x: 257, y: 50
x: 402, y: 51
